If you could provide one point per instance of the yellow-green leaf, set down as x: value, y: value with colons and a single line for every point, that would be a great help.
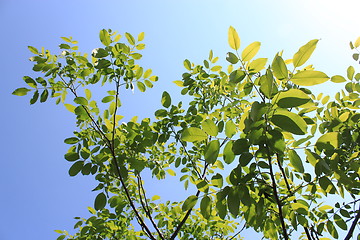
x: 210, y: 127
x: 250, y: 51
x: 279, y: 68
x: 105, y: 37
x: 357, y: 42
x: 328, y: 141
x: 233, y: 38
x: 193, y: 134
x: 304, y: 53
x: 337, y: 79
x: 212, y: 151
x: 309, y: 78
x: 257, y: 65
x: 296, y: 161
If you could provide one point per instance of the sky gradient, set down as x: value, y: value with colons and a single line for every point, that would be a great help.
x: 38, y: 196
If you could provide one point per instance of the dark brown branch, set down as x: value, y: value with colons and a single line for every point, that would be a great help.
x: 290, y: 192
x: 353, y: 225
x: 173, y: 236
x: 146, y: 206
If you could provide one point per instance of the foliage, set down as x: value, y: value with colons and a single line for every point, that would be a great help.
x: 258, y: 146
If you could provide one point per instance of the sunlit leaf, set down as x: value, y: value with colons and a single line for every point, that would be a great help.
x: 193, y: 134
x: 250, y: 51
x: 210, y: 127
x: 257, y: 65
x: 328, y: 141
x: 279, y: 68
x: 105, y: 37
x: 309, y: 78
x: 230, y: 128
x: 304, y: 53
x: 337, y: 79
x: 21, y: 91
x: 233, y: 38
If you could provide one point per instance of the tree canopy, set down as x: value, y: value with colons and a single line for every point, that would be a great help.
x: 252, y: 142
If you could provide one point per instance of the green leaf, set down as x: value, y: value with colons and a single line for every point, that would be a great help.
x: 193, y: 134
x: 141, y: 86
x: 100, y: 201
x: 250, y: 51
x: 340, y: 222
x: 33, y: 50
x: 289, y: 122
x: 21, y: 91
x: 211, y: 152
x: 35, y: 97
x: 230, y: 129
x: 105, y: 37
x: 76, y: 168
x: 329, y: 141
x: 337, y: 79
x: 245, y: 158
x: 326, y: 184
x: 257, y: 65
x: 232, y: 58
x: 309, y: 78
x: 166, y: 99
x: 332, y: 230
x: 205, y: 207
x: 279, y: 68
x: 30, y: 81
x: 107, y: 99
x: 233, y: 201
x: 187, y: 64
x: 99, y: 53
x: 240, y: 146
x: 296, y: 161
x: 304, y: 53
x: 267, y: 86
x: 228, y: 153
x: 72, y: 156
x: 210, y: 127
x: 357, y: 42
x: 217, y: 180
x: 81, y: 101
x: 291, y: 98
x: 233, y: 38
x: 189, y: 203
x: 237, y: 76
x: 44, y: 95
x: 130, y: 38
x: 71, y: 140
x: 350, y: 72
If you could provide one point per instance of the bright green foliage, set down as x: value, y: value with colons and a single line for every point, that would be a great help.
x: 256, y: 145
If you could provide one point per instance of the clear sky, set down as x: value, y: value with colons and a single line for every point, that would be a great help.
x: 37, y: 195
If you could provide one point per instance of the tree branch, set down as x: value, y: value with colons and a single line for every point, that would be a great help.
x: 353, y: 225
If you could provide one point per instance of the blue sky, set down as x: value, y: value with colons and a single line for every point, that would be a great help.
x: 37, y: 194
